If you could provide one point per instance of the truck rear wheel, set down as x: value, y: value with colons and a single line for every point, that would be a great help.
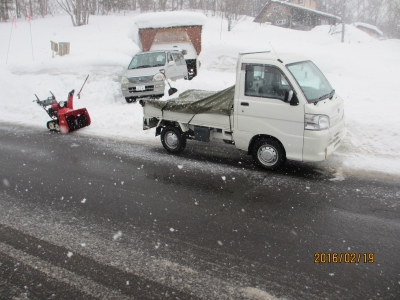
x: 269, y: 154
x: 173, y: 140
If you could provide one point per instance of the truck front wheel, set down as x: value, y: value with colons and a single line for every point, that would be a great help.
x: 269, y: 154
x: 173, y: 140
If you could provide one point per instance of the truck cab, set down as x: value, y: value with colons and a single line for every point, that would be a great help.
x: 289, y: 100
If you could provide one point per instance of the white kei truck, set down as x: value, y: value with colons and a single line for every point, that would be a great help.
x: 281, y: 107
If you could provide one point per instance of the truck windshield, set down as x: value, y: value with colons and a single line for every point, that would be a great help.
x: 147, y: 60
x: 311, y: 80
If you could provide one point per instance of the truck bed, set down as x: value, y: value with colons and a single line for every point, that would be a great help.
x: 202, y: 119
x: 193, y: 107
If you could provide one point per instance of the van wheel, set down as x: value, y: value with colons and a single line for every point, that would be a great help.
x: 130, y: 100
x: 269, y: 154
x: 173, y: 140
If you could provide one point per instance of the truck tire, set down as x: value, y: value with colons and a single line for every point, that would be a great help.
x: 268, y: 154
x: 173, y: 140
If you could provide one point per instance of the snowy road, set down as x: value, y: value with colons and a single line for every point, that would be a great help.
x: 91, y: 218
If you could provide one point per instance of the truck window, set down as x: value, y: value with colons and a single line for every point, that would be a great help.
x: 311, y: 80
x: 265, y: 81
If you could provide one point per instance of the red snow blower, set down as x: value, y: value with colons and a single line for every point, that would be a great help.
x: 64, y: 117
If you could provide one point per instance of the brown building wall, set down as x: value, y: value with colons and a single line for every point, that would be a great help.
x: 276, y: 12
x: 306, y: 3
x: 147, y: 36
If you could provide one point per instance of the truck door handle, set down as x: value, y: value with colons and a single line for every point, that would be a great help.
x: 244, y: 103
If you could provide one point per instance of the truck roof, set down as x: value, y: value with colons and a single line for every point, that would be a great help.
x: 286, y: 58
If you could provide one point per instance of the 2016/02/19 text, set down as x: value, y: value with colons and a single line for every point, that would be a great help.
x: 348, y: 258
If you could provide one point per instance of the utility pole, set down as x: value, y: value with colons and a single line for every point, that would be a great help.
x: 16, y: 9
x: 343, y: 18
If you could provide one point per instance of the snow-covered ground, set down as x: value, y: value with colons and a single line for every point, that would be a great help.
x: 363, y: 70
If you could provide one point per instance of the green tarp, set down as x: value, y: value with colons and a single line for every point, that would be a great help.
x: 198, y: 102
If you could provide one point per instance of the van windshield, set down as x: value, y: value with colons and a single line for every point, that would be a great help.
x: 147, y: 60
x: 311, y: 80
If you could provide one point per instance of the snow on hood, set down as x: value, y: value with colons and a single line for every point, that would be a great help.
x: 143, y: 71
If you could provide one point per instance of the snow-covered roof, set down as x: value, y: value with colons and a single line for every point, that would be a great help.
x: 369, y: 26
x: 170, y: 19
x: 302, y: 8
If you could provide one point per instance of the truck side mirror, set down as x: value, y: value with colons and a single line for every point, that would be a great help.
x: 184, y: 52
x: 294, y: 101
x: 288, y: 95
x: 171, y: 63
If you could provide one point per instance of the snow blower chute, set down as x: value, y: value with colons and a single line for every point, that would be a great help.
x: 64, y: 117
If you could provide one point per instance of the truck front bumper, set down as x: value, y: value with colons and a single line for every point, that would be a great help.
x: 319, y: 145
x: 148, y: 89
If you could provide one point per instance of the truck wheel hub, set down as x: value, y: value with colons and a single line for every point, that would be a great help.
x: 267, y: 154
x: 171, y: 140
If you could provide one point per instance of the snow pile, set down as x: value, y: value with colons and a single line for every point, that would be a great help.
x: 352, y: 34
x: 363, y: 70
x: 169, y: 19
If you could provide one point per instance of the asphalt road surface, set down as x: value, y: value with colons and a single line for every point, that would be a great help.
x: 90, y: 218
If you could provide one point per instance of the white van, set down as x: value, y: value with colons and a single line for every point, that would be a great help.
x: 143, y: 78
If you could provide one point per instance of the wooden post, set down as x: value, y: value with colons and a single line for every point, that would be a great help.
x: 54, y: 47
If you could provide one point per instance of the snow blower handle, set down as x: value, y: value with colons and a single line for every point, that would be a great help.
x: 79, y: 94
x: 50, y: 100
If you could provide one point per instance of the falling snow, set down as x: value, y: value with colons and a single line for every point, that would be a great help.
x: 117, y: 235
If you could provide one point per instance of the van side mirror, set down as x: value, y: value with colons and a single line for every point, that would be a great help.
x: 184, y: 52
x: 171, y: 63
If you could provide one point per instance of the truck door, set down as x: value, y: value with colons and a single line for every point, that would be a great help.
x: 262, y: 109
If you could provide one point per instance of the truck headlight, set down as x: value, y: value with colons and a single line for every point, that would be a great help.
x: 158, y: 77
x: 316, y: 122
x: 124, y: 80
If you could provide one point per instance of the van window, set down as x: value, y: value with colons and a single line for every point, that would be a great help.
x: 169, y: 55
x: 265, y: 81
x: 147, y: 60
x: 177, y: 59
x: 182, y: 59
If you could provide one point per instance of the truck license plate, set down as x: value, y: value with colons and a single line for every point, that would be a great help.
x: 140, y: 88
